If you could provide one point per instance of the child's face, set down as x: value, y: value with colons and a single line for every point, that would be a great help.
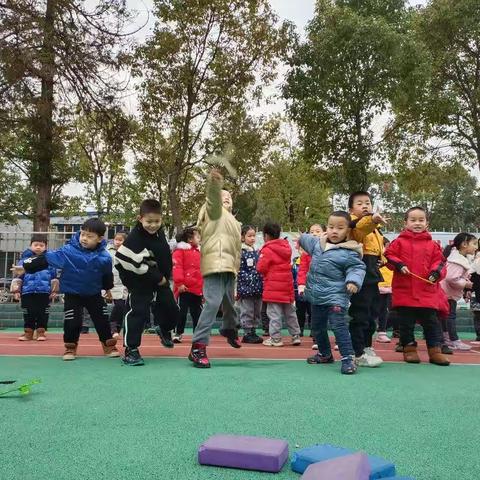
x: 118, y: 241
x: 151, y: 222
x: 195, y: 240
x: 471, y: 247
x: 38, y: 248
x: 338, y: 229
x: 227, y: 201
x: 362, y: 205
x: 416, y: 221
x: 316, y: 230
x: 89, y: 240
x: 249, y: 238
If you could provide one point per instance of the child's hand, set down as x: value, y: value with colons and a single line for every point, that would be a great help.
x: 301, y: 290
x: 53, y: 296
x: 16, y: 296
x: 163, y: 282
x: 17, y: 270
x: 468, y: 284
x: 434, y: 276
x: 182, y: 289
x: 108, y: 296
x: 215, y: 175
x: 405, y: 271
x: 378, y: 218
x: 352, y: 288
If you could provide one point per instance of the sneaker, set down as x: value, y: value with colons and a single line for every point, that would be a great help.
x: 232, y: 337
x: 296, y: 340
x: 314, y: 346
x: 132, y: 357
x: 27, y: 335
x: 348, y: 366
x: 177, y: 338
x: 115, y: 335
x: 459, y: 345
x: 251, y: 337
x: 41, y: 337
x: 198, y: 355
x: 318, y: 358
x: 399, y: 348
x: 110, y: 349
x: 70, y: 352
x: 335, y: 347
x: 367, y: 360
x: 382, y: 337
x: 273, y: 342
x: 396, y: 334
x: 446, y: 350
x: 165, y: 338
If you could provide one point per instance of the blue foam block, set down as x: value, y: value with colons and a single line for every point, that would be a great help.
x: 301, y: 459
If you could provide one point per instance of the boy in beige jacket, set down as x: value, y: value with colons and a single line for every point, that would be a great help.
x: 220, y: 262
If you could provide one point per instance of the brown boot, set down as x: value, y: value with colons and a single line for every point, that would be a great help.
x: 41, y: 337
x: 437, y: 357
x: 109, y: 348
x: 27, y: 335
x: 70, y: 351
x: 410, y: 354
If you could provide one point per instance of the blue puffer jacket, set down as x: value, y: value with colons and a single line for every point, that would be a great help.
x: 39, y: 282
x: 249, y: 281
x: 83, y: 270
x: 332, y: 267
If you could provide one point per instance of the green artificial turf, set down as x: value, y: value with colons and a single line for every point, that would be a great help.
x: 95, y: 419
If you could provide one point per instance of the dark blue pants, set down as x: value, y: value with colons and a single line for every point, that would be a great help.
x: 336, y: 316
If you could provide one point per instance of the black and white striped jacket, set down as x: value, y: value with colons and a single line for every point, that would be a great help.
x: 144, y: 259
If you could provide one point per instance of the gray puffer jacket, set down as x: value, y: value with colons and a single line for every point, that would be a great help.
x: 333, y: 266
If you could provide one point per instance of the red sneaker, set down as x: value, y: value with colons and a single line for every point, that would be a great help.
x: 231, y: 334
x: 198, y: 355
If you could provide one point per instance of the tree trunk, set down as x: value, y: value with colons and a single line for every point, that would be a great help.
x: 45, y: 149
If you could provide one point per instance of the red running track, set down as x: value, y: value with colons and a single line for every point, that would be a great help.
x: 218, y: 348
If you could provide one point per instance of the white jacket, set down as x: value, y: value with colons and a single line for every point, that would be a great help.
x: 119, y: 291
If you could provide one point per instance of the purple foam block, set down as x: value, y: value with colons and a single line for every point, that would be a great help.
x: 249, y: 453
x: 349, y: 467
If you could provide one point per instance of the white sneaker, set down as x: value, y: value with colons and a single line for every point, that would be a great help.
x: 382, y: 337
x: 475, y: 342
x: 273, y: 342
x: 459, y: 345
x: 115, y: 335
x: 335, y: 347
x: 370, y: 352
x: 296, y: 340
x: 177, y: 338
x: 368, y: 360
x: 314, y: 346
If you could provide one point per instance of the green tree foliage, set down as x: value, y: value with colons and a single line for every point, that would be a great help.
x: 204, y: 61
x: 342, y: 79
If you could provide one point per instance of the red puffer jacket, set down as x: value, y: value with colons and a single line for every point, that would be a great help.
x: 305, y: 260
x: 186, y: 269
x: 275, y: 266
x: 422, y: 256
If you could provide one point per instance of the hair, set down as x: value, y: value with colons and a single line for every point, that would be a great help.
x: 122, y: 233
x: 246, y: 229
x: 412, y: 209
x: 457, y: 242
x: 150, y: 205
x: 186, y: 234
x: 94, y: 225
x: 315, y: 225
x: 39, y: 237
x: 342, y: 214
x: 272, y: 230
x: 354, y: 195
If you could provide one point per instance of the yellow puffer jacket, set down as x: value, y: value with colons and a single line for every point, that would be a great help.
x: 221, y: 234
x: 366, y: 233
x: 386, y: 285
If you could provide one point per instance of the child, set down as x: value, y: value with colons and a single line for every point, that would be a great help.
x: 302, y: 307
x: 456, y: 281
x: 365, y: 303
x: 220, y: 262
x: 275, y: 266
x: 418, y: 264
x: 475, y: 300
x: 118, y: 294
x: 86, y: 271
x: 187, y: 278
x: 336, y: 272
x: 35, y: 290
x: 249, y: 287
x: 145, y: 265
x: 385, y: 288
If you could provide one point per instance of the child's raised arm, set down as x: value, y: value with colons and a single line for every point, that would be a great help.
x: 214, y: 195
x: 308, y: 242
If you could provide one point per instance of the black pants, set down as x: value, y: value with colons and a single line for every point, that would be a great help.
x: 385, y: 306
x: 96, y: 308
x: 265, y: 320
x: 476, y: 323
x: 364, y: 312
x: 303, y: 309
x: 139, y: 304
x: 117, y: 314
x: 449, y: 325
x: 188, y: 302
x: 427, y: 317
x: 36, y: 307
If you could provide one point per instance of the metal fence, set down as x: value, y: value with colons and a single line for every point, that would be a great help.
x: 13, y: 244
